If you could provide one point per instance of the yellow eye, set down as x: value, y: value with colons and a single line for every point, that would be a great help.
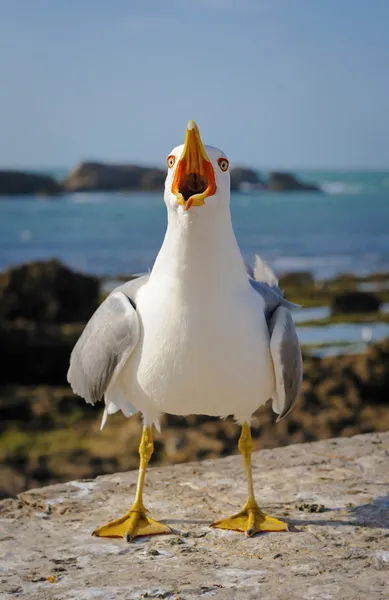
x: 223, y: 164
x: 170, y: 161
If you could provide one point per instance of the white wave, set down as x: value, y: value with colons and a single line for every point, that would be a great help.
x: 304, y: 263
x: 25, y: 235
x: 88, y: 198
x: 341, y: 187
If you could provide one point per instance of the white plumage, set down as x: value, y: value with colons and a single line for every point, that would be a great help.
x: 200, y: 334
x: 195, y: 334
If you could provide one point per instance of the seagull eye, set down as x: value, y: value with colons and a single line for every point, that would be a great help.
x: 223, y: 164
x: 170, y: 161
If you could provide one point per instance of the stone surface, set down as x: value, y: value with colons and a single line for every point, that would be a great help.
x: 334, y: 494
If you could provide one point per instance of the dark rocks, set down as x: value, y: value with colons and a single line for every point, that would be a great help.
x: 18, y: 183
x: 286, y: 182
x: 47, y: 292
x: 94, y: 176
x: 243, y: 179
x: 48, y: 434
x: 43, y: 309
x: 342, y: 395
x: 311, y: 508
x: 355, y: 302
x: 32, y: 353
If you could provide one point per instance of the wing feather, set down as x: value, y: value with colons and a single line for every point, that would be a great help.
x: 106, y: 343
x: 287, y: 361
x: 284, y: 344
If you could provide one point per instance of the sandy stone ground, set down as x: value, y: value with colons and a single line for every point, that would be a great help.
x: 334, y: 495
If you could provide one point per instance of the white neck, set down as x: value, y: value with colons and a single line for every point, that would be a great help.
x: 200, y: 249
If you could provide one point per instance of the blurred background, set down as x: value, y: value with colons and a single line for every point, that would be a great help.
x: 93, y: 96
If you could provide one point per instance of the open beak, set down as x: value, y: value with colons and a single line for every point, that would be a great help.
x: 194, y: 178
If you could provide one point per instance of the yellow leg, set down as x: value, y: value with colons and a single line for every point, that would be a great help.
x: 250, y: 519
x: 136, y: 522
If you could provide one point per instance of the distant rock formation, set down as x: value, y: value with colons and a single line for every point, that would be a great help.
x: 153, y: 180
x: 101, y: 177
x: 243, y: 179
x: 355, y: 302
x: 286, y: 182
x: 95, y: 176
x: 19, y: 183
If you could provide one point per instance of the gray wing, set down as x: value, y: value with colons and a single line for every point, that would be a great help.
x: 106, y: 343
x: 287, y: 361
x: 284, y: 344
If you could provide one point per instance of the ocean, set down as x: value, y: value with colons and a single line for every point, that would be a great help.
x: 345, y: 230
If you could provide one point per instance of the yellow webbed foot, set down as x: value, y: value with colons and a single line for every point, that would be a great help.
x: 134, y: 523
x: 251, y: 520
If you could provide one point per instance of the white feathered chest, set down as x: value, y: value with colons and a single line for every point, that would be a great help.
x: 203, y: 351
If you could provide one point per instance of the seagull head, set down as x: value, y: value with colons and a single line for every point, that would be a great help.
x: 198, y: 177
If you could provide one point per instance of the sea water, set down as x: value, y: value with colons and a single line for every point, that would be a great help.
x: 345, y: 229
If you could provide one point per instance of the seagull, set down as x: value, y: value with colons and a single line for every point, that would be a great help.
x: 202, y: 333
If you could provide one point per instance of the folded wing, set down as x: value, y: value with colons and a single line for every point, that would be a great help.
x: 287, y: 361
x: 284, y: 344
x: 108, y: 340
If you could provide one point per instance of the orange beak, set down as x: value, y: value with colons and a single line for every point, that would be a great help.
x: 194, y: 178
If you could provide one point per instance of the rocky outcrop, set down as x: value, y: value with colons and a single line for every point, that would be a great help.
x: 47, y: 425
x: 48, y: 434
x: 95, y: 176
x: 33, y: 353
x: 286, y: 182
x: 19, y: 183
x: 355, y: 302
x: 43, y: 309
x: 331, y: 493
x: 243, y: 179
x: 47, y: 292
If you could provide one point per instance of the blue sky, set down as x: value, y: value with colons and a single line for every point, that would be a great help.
x: 274, y: 83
